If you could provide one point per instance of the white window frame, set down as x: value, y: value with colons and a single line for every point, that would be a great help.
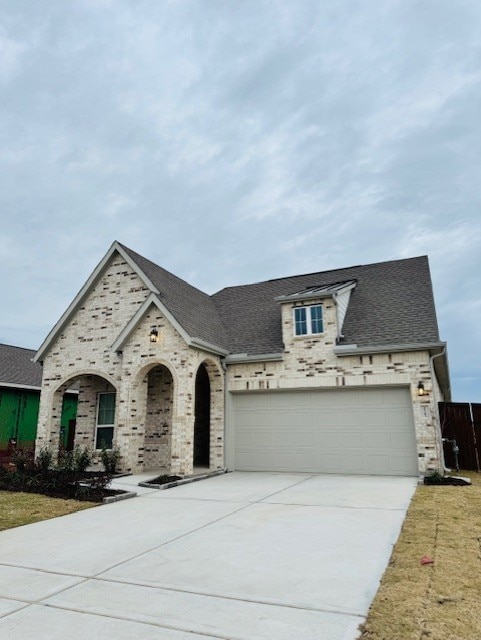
x: 103, y: 426
x: 308, y: 309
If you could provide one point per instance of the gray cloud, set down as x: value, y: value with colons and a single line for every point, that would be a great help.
x: 233, y: 142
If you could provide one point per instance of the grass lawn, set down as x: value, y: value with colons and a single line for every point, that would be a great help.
x: 441, y: 601
x: 17, y: 509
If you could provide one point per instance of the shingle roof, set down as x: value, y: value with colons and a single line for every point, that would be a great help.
x: 192, y: 308
x: 16, y: 367
x: 391, y: 304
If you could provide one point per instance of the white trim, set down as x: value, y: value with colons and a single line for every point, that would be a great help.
x: 102, y: 426
x: 115, y: 247
x: 312, y: 295
x: 341, y: 301
x: 309, y: 331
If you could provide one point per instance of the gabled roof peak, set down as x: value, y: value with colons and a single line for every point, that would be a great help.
x: 193, y: 310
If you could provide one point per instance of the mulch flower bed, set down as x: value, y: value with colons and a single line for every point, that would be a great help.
x: 164, y: 479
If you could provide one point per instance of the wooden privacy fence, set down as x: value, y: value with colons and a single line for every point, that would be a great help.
x: 461, y: 421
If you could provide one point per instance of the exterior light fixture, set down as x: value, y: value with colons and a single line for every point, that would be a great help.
x: 421, y: 389
x: 153, y: 335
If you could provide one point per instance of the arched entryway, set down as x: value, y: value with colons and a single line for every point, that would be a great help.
x: 158, y: 419
x: 202, y: 418
x: 84, y: 413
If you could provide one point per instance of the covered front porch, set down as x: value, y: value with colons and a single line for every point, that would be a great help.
x: 161, y: 420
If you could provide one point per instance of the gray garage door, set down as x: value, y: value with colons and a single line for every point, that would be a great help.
x: 355, y: 431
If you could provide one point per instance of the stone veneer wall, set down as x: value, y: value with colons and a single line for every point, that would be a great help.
x: 310, y: 362
x: 216, y: 378
x: 139, y: 357
x: 83, y: 348
x: 158, y: 425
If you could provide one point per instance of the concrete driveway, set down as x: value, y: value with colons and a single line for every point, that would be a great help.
x: 243, y: 556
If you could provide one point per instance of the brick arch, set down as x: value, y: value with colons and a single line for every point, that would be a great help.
x: 214, y: 375
x: 150, y: 408
x: 63, y: 386
x: 80, y: 429
x: 139, y: 376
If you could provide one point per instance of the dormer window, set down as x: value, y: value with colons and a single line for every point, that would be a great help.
x: 308, y: 320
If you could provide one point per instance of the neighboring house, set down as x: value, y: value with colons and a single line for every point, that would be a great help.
x: 312, y: 373
x: 20, y: 384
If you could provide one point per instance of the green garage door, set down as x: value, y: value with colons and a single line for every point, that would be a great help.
x: 348, y: 431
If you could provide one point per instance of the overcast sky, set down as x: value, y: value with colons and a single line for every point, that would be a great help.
x: 236, y: 141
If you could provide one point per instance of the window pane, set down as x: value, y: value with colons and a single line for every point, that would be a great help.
x: 106, y: 413
x: 300, y: 321
x: 316, y: 319
x: 105, y: 436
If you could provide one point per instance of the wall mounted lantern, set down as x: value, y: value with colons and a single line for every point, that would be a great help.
x: 154, y: 334
x: 421, y: 389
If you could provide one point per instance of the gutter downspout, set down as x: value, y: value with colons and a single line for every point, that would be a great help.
x: 224, y: 369
x: 436, y: 409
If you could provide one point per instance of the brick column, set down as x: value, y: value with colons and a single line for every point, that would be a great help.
x: 50, y: 412
x: 182, y: 451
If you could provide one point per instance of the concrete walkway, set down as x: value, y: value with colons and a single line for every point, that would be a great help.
x: 242, y: 556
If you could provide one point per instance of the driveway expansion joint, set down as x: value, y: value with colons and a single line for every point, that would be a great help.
x: 283, y: 489
x: 276, y: 562
x: 207, y: 594
x: 167, y: 542
x: 88, y: 612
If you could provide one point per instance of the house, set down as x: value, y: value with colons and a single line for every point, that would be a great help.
x: 20, y: 384
x: 331, y: 372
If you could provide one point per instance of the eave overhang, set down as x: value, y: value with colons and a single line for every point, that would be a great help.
x: 239, y: 358
x: 354, y: 350
x: 27, y: 387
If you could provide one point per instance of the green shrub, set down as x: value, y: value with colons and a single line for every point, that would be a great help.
x: 22, y: 460
x: 82, y: 459
x: 43, y: 461
x: 110, y: 459
x: 434, y: 478
x: 69, y: 478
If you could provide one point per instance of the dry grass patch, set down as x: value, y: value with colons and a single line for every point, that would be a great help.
x: 439, y: 601
x: 17, y: 509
